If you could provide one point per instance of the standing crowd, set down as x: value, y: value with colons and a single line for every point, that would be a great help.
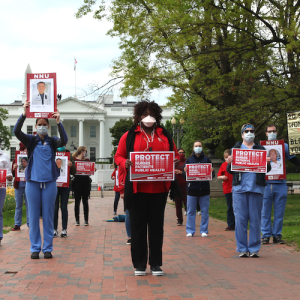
x: 249, y: 195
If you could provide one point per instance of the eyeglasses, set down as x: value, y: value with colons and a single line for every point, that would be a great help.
x: 246, y: 131
x: 270, y: 131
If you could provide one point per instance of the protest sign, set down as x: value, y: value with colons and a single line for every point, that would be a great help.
x: 61, y: 160
x: 3, y: 178
x: 293, y: 127
x: 198, y: 172
x: 85, y: 167
x: 22, y: 162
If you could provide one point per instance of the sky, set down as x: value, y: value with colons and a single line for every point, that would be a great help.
x: 47, y: 35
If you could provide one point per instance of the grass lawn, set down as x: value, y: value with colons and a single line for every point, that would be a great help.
x: 293, y: 177
x: 291, y: 221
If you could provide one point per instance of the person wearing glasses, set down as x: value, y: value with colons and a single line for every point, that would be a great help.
x: 275, y: 192
x: 182, y: 184
x: 247, y: 193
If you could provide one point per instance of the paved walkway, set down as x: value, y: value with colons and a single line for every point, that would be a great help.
x: 94, y: 263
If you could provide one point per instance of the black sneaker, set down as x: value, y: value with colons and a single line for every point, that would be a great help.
x: 86, y: 223
x: 63, y: 233
x: 114, y: 213
x: 254, y: 254
x: 77, y: 223
x: 243, y: 254
x: 47, y: 255
x: 156, y: 271
x: 129, y: 242
x: 179, y: 223
x: 35, y: 255
x: 265, y: 240
x: 278, y: 240
x: 16, y: 228
x: 141, y: 271
x: 55, y: 233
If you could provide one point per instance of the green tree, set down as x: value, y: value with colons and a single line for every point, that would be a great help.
x: 227, y: 62
x: 118, y: 130
x: 4, y: 130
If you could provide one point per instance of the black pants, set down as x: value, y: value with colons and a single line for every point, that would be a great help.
x: 81, y: 191
x: 64, y: 193
x: 116, y: 202
x: 147, y: 212
x: 178, y: 203
x: 230, y: 214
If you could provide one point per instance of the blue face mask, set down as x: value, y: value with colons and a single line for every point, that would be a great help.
x: 198, y: 150
x: 272, y: 136
x: 61, y: 149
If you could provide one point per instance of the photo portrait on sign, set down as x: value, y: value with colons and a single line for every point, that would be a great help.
x: 42, y: 95
x: 62, y: 164
x: 275, y: 153
x: 22, y: 162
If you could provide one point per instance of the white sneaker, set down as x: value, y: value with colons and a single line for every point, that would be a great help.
x: 204, y: 234
x: 55, y: 233
x: 189, y: 234
x: 185, y: 213
x: 199, y: 213
x: 63, y: 233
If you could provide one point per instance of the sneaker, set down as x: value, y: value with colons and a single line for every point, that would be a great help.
x: 229, y: 228
x: 185, y: 213
x: 199, y: 213
x: 265, y: 240
x: 114, y: 213
x: 179, y: 223
x: 47, y: 255
x: 156, y: 271
x: 35, y: 255
x: 243, y: 254
x: 140, y: 271
x: 86, y: 223
x: 278, y: 240
x: 63, y: 233
x: 189, y: 234
x: 55, y: 234
x: 203, y: 234
x: 16, y: 228
x: 77, y: 223
x: 129, y: 242
x: 254, y: 254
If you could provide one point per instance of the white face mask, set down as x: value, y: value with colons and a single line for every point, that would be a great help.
x: 272, y: 136
x: 148, y: 121
x: 249, y: 137
x: 42, y: 130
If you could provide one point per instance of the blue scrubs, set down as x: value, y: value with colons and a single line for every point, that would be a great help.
x: 275, y: 191
x: 19, y: 195
x: 41, y: 190
x: 247, y: 205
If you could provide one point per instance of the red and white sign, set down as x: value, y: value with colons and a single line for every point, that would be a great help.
x: 62, y: 162
x: 249, y: 161
x: 152, y: 166
x: 117, y: 178
x: 21, y: 161
x: 276, y: 151
x: 41, y: 93
x: 85, y: 167
x: 198, y: 172
x: 3, y: 178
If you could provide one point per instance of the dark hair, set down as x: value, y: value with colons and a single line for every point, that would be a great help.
x: 58, y: 159
x: 141, y: 106
x: 41, y: 82
x: 36, y: 121
x: 180, y: 149
x: 271, y: 125
x: 198, y: 142
x: 25, y: 158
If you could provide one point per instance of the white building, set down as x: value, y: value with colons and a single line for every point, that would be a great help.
x: 87, y: 123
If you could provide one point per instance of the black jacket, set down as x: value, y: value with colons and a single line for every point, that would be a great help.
x: 260, y: 177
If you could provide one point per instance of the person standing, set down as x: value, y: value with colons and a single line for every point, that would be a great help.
x: 114, y: 176
x: 81, y: 186
x: 247, y: 192
x: 197, y: 192
x: 4, y: 165
x: 182, y: 184
x: 19, y: 194
x: 41, y: 174
x: 227, y: 190
x: 64, y: 193
x: 275, y: 192
x: 145, y: 201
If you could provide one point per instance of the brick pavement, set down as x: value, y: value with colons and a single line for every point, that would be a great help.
x: 94, y: 263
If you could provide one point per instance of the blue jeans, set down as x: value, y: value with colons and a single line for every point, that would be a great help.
x: 127, y: 223
x: 274, y: 193
x: 41, y: 194
x: 2, y: 200
x: 191, y: 213
x: 64, y: 193
x: 247, y: 208
x: 19, y: 194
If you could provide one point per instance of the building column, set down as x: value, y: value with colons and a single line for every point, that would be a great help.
x: 80, y: 132
x: 101, y: 145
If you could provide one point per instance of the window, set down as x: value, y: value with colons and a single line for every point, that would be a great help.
x: 92, y: 131
x: 29, y: 129
x: 73, y: 131
x: 12, y: 130
x: 53, y: 130
x: 92, y: 153
x: 12, y: 153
